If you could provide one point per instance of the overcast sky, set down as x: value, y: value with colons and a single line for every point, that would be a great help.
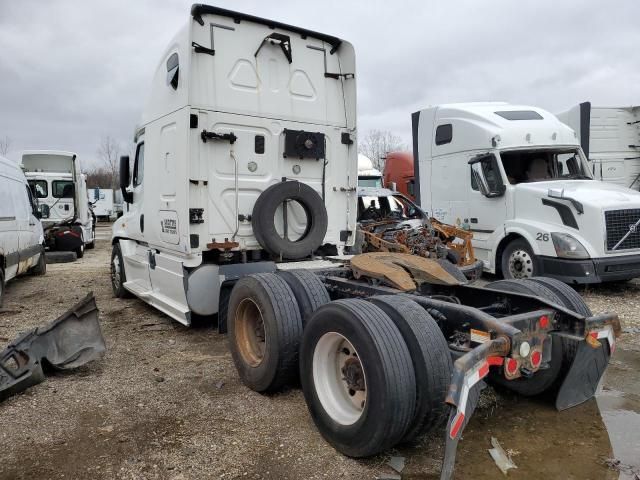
x: 74, y: 71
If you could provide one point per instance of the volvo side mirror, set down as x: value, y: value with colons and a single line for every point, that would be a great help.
x: 125, y: 179
x: 480, y: 179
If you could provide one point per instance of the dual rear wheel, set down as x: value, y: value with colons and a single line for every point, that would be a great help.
x: 374, y: 372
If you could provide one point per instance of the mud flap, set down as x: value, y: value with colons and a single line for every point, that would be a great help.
x: 451, y: 443
x: 70, y: 341
x: 584, y: 375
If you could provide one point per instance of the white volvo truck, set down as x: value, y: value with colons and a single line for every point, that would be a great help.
x: 610, y: 138
x: 245, y: 154
x: 61, y: 191
x: 518, y: 178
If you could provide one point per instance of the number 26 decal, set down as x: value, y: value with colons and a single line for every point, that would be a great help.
x: 542, y: 237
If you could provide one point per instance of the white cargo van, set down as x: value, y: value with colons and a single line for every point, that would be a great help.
x: 101, y: 200
x: 610, y: 138
x: 517, y: 177
x: 21, y: 237
x: 245, y: 156
x: 61, y: 190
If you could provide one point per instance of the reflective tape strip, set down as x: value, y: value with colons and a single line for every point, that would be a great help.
x: 608, y: 334
x: 473, y: 376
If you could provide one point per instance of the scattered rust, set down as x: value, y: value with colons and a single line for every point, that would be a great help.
x: 401, y: 270
x: 226, y: 245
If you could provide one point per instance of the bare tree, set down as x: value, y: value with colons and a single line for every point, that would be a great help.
x: 99, y: 178
x: 108, y: 153
x: 377, y: 143
x: 5, y: 145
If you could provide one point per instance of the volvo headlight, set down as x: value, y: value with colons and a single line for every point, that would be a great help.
x: 567, y: 246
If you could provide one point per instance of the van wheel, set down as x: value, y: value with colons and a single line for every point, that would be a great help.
x: 357, y: 377
x: 1, y: 286
x: 518, y: 260
x: 80, y: 250
x: 264, y: 331
x: 431, y: 361
x: 118, y: 275
x: 41, y: 267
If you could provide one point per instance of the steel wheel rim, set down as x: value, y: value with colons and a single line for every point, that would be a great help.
x: 336, y: 369
x: 520, y: 264
x: 251, y: 336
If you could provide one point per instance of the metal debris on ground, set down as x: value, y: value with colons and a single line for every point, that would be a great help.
x: 397, y: 463
x: 431, y: 239
x: 503, y: 461
x: 70, y: 341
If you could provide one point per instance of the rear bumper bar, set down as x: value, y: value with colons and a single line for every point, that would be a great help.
x: 594, y: 349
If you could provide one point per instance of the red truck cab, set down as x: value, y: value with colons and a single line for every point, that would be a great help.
x: 398, y: 173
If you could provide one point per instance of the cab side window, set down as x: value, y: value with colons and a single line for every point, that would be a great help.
x: 138, y: 167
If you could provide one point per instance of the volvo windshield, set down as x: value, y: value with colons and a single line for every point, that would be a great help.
x: 539, y: 165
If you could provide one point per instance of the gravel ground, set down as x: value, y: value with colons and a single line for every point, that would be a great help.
x: 165, y: 402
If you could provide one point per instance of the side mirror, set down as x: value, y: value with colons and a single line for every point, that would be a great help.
x: 125, y: 179
x: 393, y: 186
x: 486, y: 175
x: 480, y: 179
x: 44, y: 210
x: 37, y: 214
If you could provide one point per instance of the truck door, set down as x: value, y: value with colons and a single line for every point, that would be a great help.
x: 487, y: 214
x: 137, y: 258
x: 63, y: 192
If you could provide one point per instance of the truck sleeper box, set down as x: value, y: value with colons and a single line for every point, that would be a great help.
x: 237, y: 105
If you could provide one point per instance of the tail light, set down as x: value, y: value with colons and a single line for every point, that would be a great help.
x: 544, y: 321
x: 511, y: 367
x: 536, y: 358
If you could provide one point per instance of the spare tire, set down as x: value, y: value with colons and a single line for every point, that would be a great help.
x: 264, y: 228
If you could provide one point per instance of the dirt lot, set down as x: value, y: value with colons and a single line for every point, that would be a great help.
x: 165, y: 403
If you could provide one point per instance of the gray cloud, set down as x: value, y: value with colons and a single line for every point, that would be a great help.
x: 73, y: 71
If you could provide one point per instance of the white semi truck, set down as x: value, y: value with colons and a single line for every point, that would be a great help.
x: 101, y: 200
x: 518, y: 178
x: 241, y: 117
x: 610, y: 138
x: 243, y: 197
x: 61, y: 191
x: 368, y: 176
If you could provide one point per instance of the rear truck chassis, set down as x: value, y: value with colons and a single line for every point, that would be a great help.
x: 490, y: 332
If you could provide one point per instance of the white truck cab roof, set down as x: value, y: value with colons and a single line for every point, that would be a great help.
x: 496, y: 125
x: 48, y: 161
